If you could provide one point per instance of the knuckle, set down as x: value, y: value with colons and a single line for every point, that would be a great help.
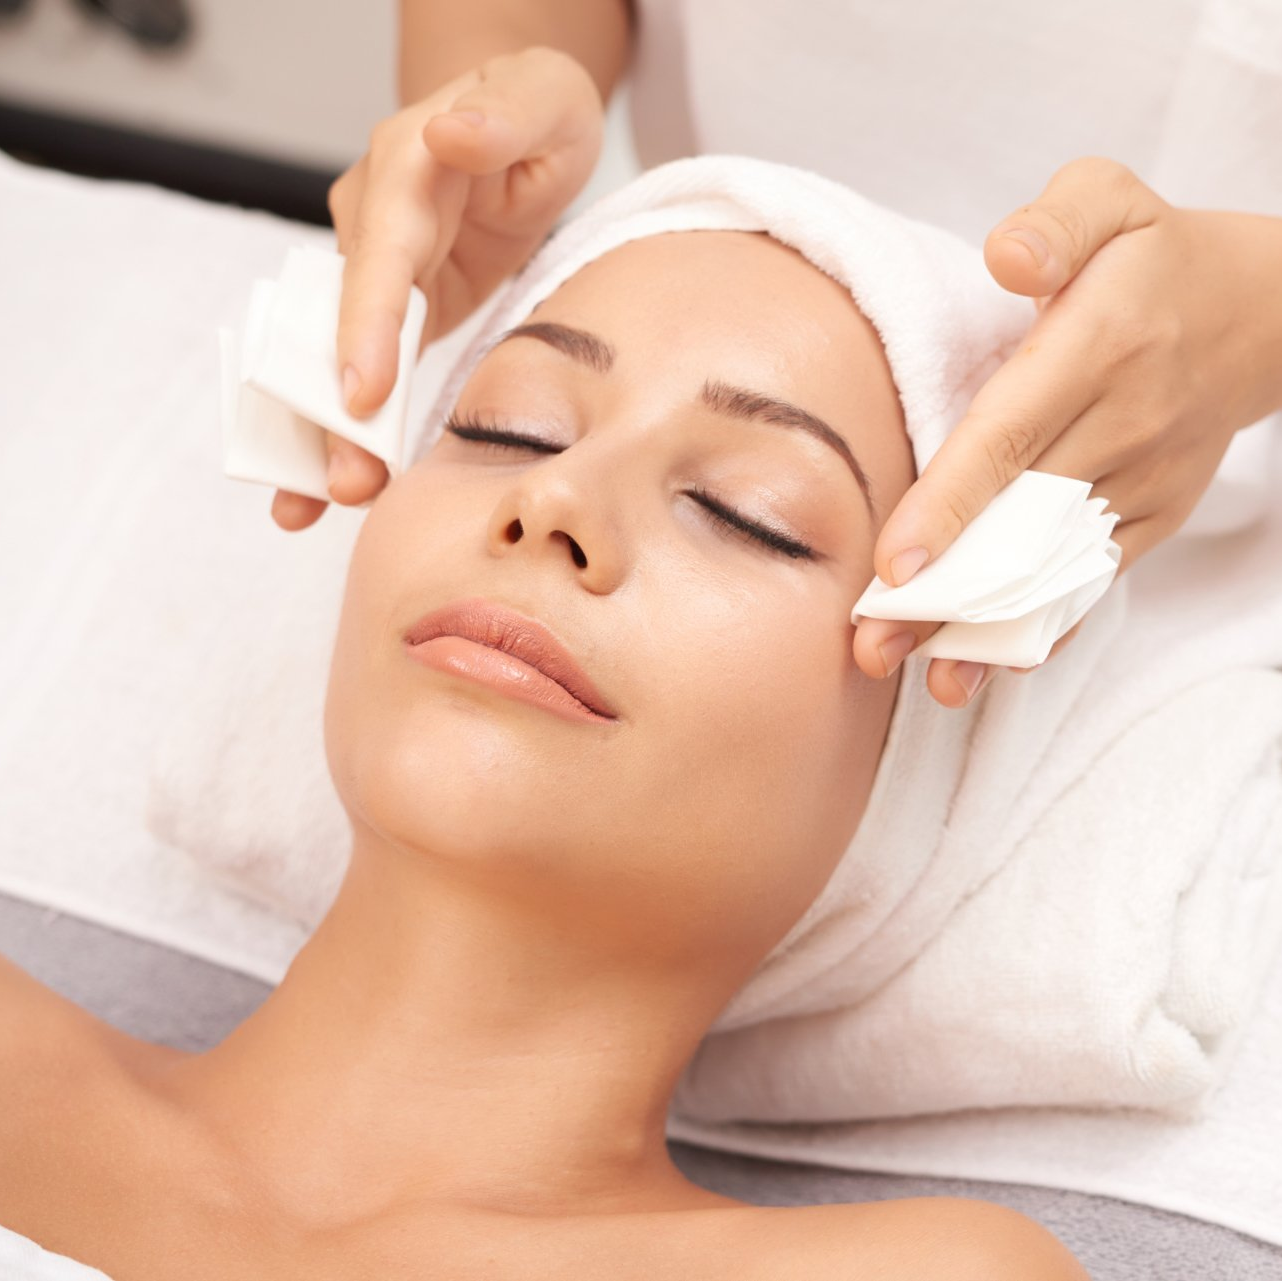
x: 1119, y: 178
x: 379, y: 135
x: 546, y: 60
x: 541, y: 55
x: 519, y: 62
x: 392, y: 132
x: 1072, y: 223
x: 1124, y: 333
x: 958, y: 506
x: 1011, y: 449
x: 555, y: 69
x: 1100, y: 170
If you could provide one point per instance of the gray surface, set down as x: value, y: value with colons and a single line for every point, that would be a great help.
x: 173, y: 999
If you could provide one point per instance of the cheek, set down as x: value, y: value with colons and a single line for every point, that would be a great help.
x: 763, y: 707
x: 762, y: 745
x: 394, y: 574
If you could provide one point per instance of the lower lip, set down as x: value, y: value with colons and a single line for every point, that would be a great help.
x: 503, y: 672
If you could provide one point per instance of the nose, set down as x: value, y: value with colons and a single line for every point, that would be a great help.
x: 557, y: 511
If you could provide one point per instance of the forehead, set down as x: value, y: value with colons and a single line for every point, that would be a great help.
x: 741, y: 285
x: 736, y: 306
x: 681, y: 309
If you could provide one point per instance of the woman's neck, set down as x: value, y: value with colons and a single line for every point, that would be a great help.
x: 439, y: 1040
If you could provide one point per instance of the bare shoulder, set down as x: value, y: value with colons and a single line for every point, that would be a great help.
x: 56, y: 1060
x: 952, y: 1238
x: 41, y: 1026
x: 31, y: 1015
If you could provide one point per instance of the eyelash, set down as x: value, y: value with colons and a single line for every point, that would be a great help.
x: 469, y: 427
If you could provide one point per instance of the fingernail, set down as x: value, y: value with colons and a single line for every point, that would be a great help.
x: 351, y: 385
x: 906, y: 564
x: 473, y: 119
x: 968, y: 675
x: 1034, y: 241
x: 896, y: 649
x: 337, y: 466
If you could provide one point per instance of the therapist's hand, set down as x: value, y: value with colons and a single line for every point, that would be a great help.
x: 455, y: 193
x: 1156, y: 337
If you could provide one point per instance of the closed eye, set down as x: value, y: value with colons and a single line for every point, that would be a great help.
x: 731, y: 520
x: 469, y: 427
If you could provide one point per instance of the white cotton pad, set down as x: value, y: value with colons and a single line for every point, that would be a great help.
x: 282, y: 388
x: 1014, y: 580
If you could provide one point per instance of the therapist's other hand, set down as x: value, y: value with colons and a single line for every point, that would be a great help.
x: 455, y: 194
x: 1154, y: 339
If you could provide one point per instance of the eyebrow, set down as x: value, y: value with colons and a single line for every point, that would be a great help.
x: 735, y: 402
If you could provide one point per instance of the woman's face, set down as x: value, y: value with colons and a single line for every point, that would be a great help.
x: 711, y: 810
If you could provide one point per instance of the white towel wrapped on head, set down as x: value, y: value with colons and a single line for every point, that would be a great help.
x: 1051, y: 898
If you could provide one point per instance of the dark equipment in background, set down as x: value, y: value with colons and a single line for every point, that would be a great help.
x: 154, y: 24
x: 96, y: 150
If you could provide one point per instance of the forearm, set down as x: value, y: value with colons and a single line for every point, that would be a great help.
x: 441, y: 39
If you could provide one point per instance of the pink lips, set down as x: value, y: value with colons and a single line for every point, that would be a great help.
x: 509, y: 652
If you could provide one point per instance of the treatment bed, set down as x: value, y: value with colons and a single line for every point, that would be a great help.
x: 112, y: 296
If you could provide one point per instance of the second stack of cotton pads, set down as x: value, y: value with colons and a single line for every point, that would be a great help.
x: 281, y: 386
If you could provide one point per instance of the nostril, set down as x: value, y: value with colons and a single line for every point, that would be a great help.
x: 577, y: 553
x: 513, y: 532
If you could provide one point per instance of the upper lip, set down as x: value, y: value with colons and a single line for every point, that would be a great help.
x: 517, y: 634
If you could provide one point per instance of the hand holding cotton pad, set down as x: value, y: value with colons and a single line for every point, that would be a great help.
x: 1014, y: 580
x: 281, y: 387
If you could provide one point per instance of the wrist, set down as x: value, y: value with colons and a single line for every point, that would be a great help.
x: 441, y: 41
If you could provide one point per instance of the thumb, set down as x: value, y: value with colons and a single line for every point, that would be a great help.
x: 1039, y: 248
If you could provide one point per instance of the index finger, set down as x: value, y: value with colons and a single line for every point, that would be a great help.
x: 399, y: 237
x: 377, y: 276
x: 1016, y: 416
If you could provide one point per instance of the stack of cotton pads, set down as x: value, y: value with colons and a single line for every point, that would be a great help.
x: 281, y: 385
x: 1015, y: 579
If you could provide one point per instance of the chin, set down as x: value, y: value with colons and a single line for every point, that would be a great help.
x: 453, y: 776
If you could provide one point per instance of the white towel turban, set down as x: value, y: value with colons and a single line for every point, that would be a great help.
x: 944, y: 322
